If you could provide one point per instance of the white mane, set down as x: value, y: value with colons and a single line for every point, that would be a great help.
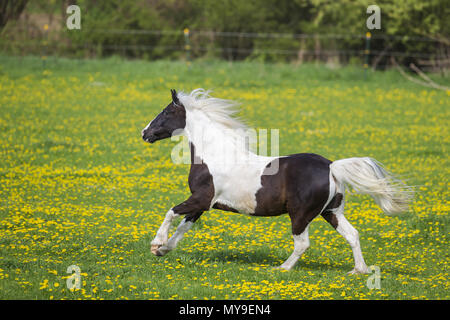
x: 220, y: 111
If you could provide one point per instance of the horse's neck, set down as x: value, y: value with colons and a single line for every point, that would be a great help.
x: 216, y: 145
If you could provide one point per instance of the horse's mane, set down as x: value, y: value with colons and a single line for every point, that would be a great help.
x: 220, y: 111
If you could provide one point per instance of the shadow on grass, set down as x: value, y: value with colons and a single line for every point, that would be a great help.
x: 263, y: 257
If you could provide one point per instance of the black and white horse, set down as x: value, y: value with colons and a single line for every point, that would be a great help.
x: 304, y: 185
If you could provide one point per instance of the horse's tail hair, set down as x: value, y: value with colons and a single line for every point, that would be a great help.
x: 367, y: 176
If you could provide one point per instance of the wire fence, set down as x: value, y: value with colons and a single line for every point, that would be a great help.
x: 216, y: 34
x: 373, y: 50
x: 266, y: 35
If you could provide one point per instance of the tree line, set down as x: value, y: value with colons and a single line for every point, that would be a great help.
x: 267, y: 30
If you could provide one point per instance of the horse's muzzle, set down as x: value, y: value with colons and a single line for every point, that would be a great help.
x: 148, y: 137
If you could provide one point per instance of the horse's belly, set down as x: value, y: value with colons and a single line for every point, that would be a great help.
x: 238, y: 192
x: 257, y: 203
x: 240, y: 199
x: 236, y: 185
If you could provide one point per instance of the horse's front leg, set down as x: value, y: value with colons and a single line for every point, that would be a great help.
x: 184, y: 226
x: 193, y: 209
x: 163, y: 232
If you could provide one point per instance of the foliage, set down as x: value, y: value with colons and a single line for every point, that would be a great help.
x: 411, y: 18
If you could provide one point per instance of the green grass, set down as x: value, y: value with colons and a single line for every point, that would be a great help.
x: 78, y: 186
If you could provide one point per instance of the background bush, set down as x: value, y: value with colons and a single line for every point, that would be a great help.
x: 106, y: 29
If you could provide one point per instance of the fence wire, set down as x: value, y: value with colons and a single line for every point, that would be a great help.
x: 255, y: 35
x: 203, y: 41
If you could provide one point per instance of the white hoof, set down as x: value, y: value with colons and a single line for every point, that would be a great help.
x: 282, y: 267
x: 160, y: 250
x: 156, y: 244
x: 359, y: 271
x: 154, y: 249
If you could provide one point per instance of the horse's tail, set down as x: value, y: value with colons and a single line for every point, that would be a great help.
x: 367, y: 176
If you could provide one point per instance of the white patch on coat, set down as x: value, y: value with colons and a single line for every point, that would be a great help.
x: 143, y: 130
x: 333, y: 189
x: 218, y: 138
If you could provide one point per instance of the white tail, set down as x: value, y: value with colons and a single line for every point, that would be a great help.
x: 367, y: 176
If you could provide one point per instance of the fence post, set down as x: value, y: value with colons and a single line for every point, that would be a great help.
x: 45, y: 44
x: 367, y: 54
x: 187, y: 45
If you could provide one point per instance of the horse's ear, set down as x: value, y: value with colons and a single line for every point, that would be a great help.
x: 174, y: 96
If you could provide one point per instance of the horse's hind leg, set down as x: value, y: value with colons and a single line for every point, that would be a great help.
x: 335, y: 216
x: 301, y: 243
x: 351, y: 235
x: 301, y: 240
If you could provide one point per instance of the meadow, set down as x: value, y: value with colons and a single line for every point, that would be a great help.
x: 78, y: 185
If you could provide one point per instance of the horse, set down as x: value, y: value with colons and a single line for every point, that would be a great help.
x: 304, y: 185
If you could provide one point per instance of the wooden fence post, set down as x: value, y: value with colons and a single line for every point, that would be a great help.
x: 187, y: 45
x: 367, y: 54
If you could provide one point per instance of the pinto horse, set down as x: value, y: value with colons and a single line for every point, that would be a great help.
x: 303, y: 185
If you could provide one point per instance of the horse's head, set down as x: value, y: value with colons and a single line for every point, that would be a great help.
x: 173, y: 117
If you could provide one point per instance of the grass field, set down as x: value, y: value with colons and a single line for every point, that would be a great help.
x: 78, y: 186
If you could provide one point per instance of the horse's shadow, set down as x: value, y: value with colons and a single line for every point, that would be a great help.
x: 251, y: 257
x: 265, y: 258
x: 270, y: 260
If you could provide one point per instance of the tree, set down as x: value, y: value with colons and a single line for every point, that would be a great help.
x: 10, y: 9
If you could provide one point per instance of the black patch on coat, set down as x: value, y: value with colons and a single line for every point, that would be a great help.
x: 300, y: 187
x: 202, y: 189
x: 328, y: 214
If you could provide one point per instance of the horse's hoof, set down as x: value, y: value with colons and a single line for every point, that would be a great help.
x: 281, y: 268
x: 154, y: 249
x: 159, y: 250
x: 359, y: 271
